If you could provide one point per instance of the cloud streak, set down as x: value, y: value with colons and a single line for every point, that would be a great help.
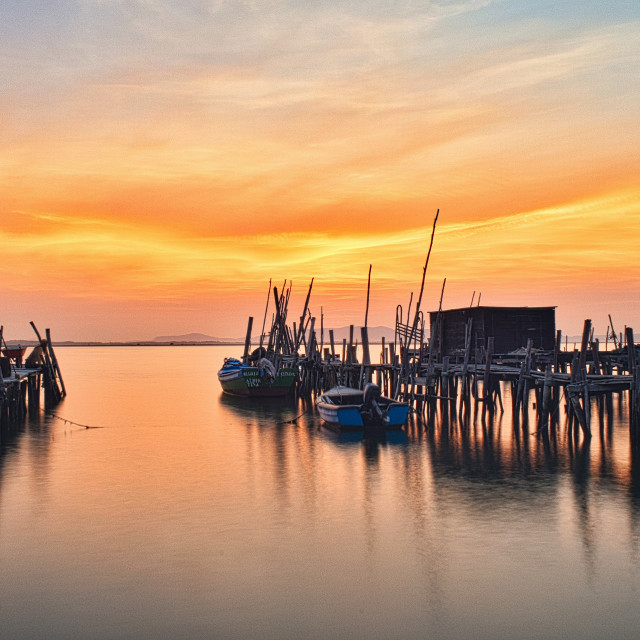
x: 133, y: 259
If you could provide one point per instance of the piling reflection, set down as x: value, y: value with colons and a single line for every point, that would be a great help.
x: 470, y: 446
x: 496, y: 461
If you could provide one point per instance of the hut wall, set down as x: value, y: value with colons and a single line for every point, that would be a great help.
x: 510, y: 327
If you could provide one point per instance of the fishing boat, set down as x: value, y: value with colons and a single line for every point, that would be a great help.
x: 346, y: 408
x: 270, y: 371
x: 259, y: 380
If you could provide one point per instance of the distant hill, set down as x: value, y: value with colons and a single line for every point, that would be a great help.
x: 195, y: 337
x: 375, y: 335
x: 339, y: 334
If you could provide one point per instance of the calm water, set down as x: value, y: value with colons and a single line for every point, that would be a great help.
x: 189, y: 515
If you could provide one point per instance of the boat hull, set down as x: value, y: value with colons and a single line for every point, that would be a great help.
x: 345, y: 417
x: 252, y: 382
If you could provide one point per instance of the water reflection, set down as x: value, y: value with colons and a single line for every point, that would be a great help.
x: 488, y: 455
x: 228, y: 518
x: 267, y: 411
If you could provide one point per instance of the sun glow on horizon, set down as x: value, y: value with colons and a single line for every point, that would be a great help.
x: 106, y: 260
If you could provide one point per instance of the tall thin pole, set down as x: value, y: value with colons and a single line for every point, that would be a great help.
x: 247, y: 340
x: 416, y: 320
x: 266, y: 308
x: 424, y: 275
x: 300, y: 337
x: 613, y: 333
x: 366, y: 315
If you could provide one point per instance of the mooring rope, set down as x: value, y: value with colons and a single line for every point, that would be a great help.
x: 294, y: 419
x: 77, y: 424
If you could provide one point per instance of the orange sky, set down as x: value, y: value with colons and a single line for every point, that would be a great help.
x: 161, y: 163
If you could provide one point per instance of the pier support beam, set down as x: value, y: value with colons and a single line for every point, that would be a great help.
x: 634, y: 391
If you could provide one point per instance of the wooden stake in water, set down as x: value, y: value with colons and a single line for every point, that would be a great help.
x: 247, y: 340
x: 366, y: 314
x: 264, y: 320
x: 424, y: 275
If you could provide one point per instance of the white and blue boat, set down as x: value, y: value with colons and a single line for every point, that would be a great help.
x: 346, y: 408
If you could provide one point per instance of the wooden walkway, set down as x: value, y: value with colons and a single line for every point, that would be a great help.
x: 551, y: 383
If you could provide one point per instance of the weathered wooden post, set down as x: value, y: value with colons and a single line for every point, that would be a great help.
x: 393, y: 361
x: 3, y: 401
x: 465, y: 386
x: 574, y: 369
x: 52, y: 391
x: 54, y: 362
x: 595, y: 351
x: 546, y: 399
x: 247, y: 340
x: 634, y: 392
x: 521, y: 387
x: 444, y: 389
x: 586, y: 400
x: 311, y: 344
x: 486, y: 379
x: 467, y: 358
x: 578, y: 386
x: 34, y: 393
x: 556, y: 351
x: 613, y: 334
x: 366, y: 313
x: 264, y: 319
x: 365, y: 370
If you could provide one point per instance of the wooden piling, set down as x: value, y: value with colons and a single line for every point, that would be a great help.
x: 546, y: 399
x: 486, y: 380
x: 54, y: 362
x: 52, y: 392
x: 247, y: 340
x: 634, y: 392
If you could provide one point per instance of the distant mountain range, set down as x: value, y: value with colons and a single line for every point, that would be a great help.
x: 196, y: 337
x: 375, y: 335
x: 341, y: 333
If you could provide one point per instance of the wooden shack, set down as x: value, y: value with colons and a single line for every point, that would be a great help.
x: 511, y: 328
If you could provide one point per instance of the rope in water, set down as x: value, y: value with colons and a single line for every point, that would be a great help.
x: 77, y: 424
x: 294, y: 419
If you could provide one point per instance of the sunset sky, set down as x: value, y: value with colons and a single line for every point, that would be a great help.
x: 162, y: 160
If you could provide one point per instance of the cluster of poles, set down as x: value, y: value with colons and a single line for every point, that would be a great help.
x: 320, y: 364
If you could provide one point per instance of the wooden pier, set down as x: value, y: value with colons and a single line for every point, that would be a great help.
x: 458, y: 367
x: 23, y: 383
x: 554, y: 383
